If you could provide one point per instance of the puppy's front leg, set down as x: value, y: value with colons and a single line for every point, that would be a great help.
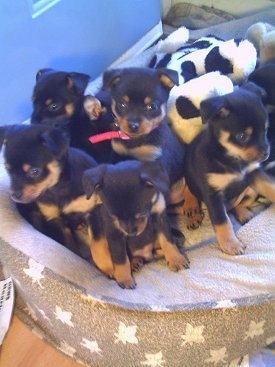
x: 98, y: 243
x: 122, y: 266
x: 175, y: 259
x: 223, y: 228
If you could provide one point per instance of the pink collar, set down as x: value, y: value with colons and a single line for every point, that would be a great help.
x: 109, y: 135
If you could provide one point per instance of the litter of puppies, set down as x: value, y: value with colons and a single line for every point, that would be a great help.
x: 102, y: 174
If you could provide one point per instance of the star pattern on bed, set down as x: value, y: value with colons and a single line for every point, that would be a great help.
x: 194, y: 335
x: 91, y: 345
x: 126, y: 334
x: 217, y: 356
x: 153, y: 360
x: 255, y: 329
x: 34, y: 271
x: 63, y: 316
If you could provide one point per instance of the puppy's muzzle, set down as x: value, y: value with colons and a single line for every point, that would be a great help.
x: 132, y: 228
x: 265, y: 153
x: 18, y: 197
x: 133, y: 126
x: 58, y: 121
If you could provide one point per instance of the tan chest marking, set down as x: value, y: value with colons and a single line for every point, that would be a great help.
x: 143, y: 153
x: 49, y: 211
x: 81, y: 204
x: 219, y: 181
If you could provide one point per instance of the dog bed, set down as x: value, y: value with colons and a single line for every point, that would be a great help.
x: 219, y: 310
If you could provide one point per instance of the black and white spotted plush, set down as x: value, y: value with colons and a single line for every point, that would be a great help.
x: 183, y: 107
x: 236, y: 58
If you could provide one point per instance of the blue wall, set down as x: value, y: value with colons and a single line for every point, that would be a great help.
x: 72, y: 35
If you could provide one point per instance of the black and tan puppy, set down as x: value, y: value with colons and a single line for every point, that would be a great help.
x: 225, y: 160
x: 45, y: 179
x: 264, y: 77
x: 131, y: 222
x: 139, y: 98
x: 59, y: 101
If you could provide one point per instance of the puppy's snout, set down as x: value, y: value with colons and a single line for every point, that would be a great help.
x: 265, y: 153
x: 16, y: 195
x: 134, y: 125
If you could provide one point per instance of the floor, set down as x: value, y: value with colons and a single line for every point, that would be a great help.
x: 21, y: 348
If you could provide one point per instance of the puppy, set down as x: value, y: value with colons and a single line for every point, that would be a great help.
x: 59, y: 101
x: 139, y: 97
x: 225, y: 160
x: 264, y: 77
x: 131, y: 220
x: 45, y: 179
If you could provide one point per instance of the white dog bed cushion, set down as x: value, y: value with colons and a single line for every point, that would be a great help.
x: 220, y: 309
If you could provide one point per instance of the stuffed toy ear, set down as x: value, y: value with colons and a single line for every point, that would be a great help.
x: 93, y: 178
x: 168, y: 77
x: 111, y: 78
x: 212, y: 108
x: 154, y: 174
x: 56, y: 140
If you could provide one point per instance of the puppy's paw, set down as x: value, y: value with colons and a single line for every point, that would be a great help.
x: 193, y: 217
x: 178, y: 262
x: 129, y: 283
x: 233, y: 247
x: 137, y: 263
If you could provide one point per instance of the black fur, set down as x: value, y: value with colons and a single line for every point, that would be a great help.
x: 135, y: 118
x: 131, y: 218
x: 58, y: 102
x: 264, y: 77
x: 45, y: 179
x: 220, y: 160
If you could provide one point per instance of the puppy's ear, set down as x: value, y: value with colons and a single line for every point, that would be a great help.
x: 56, y: 140
x: 111, y: 78
x: 154, y: 174
x: 168, y: 77
x: 254, y: 88
x: 43, y: 72
x: 212, y: 108
x: 3, y: 134
x: 92, y: 179
x: 78, y: 80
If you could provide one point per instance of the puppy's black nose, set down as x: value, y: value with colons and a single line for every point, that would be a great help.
x: 132, y: 233
x: 133, y: 125
x: 265, y: 153
x: 16, y: 195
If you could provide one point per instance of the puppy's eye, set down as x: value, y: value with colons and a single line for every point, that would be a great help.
x: 142, y: 215
x: 151, y: 107
x: 34, y: 172
x: 122, y: 105
x: 242, y: 137
x: 55, y: 106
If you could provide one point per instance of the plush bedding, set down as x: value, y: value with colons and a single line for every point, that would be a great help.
x: 219, y: 310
